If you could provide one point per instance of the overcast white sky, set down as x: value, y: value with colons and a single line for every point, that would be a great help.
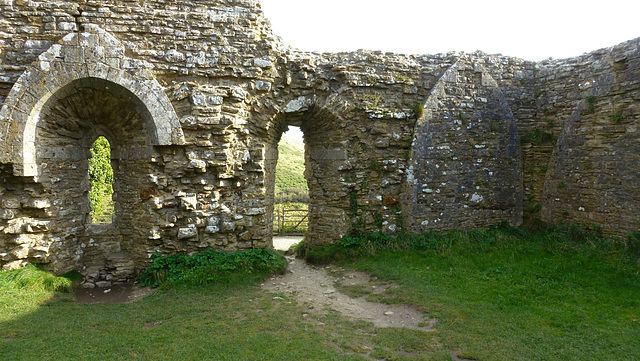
x: 532, y: 30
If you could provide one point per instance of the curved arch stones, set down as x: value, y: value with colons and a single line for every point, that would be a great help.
x: 91, y: 54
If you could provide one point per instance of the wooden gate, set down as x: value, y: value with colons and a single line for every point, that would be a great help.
x: 290, y: 221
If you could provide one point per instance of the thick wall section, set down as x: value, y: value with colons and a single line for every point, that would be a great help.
x: 594, y: 173
x: 466, y: 165
x: 194, y: 96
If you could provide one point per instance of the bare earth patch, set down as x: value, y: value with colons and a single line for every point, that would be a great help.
x: 123, y: 293
x: 320, y: 290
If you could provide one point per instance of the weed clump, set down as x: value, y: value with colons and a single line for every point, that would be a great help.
x: 538, y: 137
x: 211, y: 266
x: 418, y: 110
x: 591, y: 104
x: 34, y: 278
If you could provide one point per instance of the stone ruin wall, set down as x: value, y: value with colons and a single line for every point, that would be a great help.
x: 195, y: 95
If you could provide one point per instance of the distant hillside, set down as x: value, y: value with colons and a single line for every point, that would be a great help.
x: 290, y: 182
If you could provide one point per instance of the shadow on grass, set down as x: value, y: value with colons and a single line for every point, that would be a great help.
x: 235, y: 321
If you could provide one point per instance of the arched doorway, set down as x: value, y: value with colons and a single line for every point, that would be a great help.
x: 54, y: 113
x: 291, y: 196
x: 68, y: 126
x: 326, y: 160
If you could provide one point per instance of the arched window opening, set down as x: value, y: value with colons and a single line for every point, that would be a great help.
x: 101, y: 179
x: 291, y: 198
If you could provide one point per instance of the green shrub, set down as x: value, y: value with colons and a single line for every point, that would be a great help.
x: 211, y: 266
x: 101, y: 179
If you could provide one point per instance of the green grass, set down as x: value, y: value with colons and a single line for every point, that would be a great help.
x: 515, y: 295
x: 212, y: 322
x: 499, y: 294
x: 290, y: 167
x: 229, y: 320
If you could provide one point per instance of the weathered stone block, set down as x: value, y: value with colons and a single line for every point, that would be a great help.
x: 20, y: 252
x: 188, y: 232
x: 256, y: 211
x: 39, y: 254
x: 38, y: 226
x: 15, y: 226
x: 6, y: 214
x: 15, y: 265
x: 10, y: 203
x: 37, y: 204
x: 212, y: 229
x: 189, y: 203
x: 228, y: 227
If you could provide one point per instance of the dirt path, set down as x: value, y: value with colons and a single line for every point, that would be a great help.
x: 319, y: 290
x: 283, y: 243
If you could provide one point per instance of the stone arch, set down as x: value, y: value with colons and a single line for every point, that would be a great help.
x: 465, y: 161
x: 320, y: 120
x: 593, y: 171
x: 81, y: 58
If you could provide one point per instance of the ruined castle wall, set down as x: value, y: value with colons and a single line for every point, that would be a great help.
x: 466, y: 162
x: 195, y: 95
x: 592, y: 175
x: 212, y: 58
x: 357, y: 114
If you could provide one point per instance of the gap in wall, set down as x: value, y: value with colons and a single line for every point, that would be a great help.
x: 291, y: 197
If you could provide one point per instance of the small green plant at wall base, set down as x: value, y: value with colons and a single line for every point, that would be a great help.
x: 378, y: 220
x: 561, y: 184
x: 211, y: 266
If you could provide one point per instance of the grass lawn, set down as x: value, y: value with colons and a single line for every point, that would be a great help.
x: 500, y: 295
x: 211, y: 322
x: 497, y: 295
